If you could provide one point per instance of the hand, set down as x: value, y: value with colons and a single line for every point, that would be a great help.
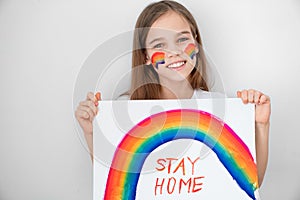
x: 86, y: 112
x: 262, y: 104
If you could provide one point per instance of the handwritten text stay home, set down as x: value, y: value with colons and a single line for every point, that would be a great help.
x: 181, y: 176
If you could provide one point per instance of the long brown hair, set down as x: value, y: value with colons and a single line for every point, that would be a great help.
x: 145, y: 81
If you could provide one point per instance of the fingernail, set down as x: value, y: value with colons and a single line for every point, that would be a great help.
x: 97, y: 96
x: 96, y: 103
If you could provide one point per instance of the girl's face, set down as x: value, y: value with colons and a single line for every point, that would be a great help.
x: 171, y: 48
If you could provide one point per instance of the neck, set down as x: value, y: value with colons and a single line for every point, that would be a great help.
x: 176, y: 90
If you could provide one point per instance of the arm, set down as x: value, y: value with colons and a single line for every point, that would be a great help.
x: 85, y: 114
x: 262, y: 124
x: 89, y: 141
x: 262, y: 149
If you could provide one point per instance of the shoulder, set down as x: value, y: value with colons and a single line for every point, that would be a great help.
x: 201, y: 94
x: 123, y: 97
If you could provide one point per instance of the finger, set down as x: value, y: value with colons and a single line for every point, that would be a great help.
x: 264, y: 99
x: 98, y: 96
x: 257, y: 96
x: 251, y: 96
x: 88, y: 110
x: 91, y: 105
x: 244, y: 96
x: 238, y: 94
x: 91, y: 96
x: 81, y: 114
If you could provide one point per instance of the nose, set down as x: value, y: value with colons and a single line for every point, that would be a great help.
x: 173, y: 50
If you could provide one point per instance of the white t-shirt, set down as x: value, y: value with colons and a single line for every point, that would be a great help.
x: 201, y: 94
x: 198, y: 94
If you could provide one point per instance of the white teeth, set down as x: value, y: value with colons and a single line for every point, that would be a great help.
x: 174, y: 65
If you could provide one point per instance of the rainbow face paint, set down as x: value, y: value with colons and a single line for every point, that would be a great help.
x: 190, y: 50
x: 158, y: 58
x: 146, y: 136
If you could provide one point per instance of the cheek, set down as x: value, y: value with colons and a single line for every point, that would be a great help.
x: 158, y: 58
x: 190, y: 50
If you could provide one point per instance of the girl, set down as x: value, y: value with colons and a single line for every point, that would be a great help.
x: 169, y: 63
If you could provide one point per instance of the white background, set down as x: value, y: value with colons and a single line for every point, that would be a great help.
x: 43, y: 44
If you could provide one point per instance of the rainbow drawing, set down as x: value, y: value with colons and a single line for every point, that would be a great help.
x: 164, y: 127
x: 190, y: 50
x: 158, y: 58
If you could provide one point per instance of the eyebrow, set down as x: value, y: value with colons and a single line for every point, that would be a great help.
x: 184, y: 32
x: 161, y: 38
x: 156, y: 39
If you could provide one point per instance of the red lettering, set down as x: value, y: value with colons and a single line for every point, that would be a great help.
x: 193, y: 163
x: 195, y: 189
x: 181, y: 164
x: 159, y: 185
x: 185, y: 183
x: 168, y: 187
x: 170, y: 163
x: 175, y: 183
x: 159, y: 161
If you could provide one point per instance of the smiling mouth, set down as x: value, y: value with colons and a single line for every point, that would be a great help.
x: 176, y: 65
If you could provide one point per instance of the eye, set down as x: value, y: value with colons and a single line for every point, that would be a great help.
x: 158, y: 46
x: 183, y: 39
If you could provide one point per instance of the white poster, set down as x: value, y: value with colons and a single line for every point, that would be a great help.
x: 175, y: 149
